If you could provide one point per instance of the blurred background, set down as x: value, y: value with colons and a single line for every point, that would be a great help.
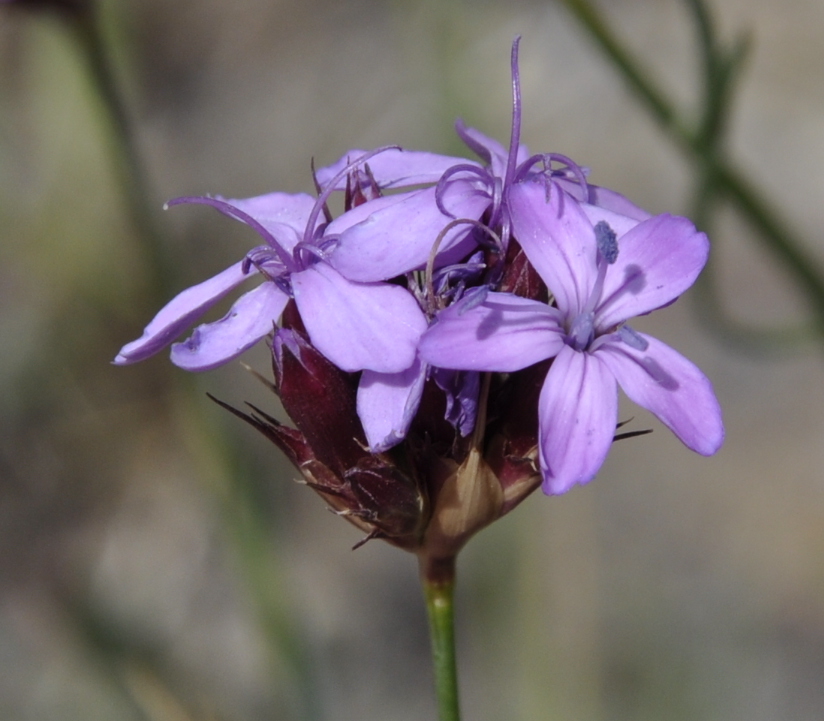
x: 158, y: 562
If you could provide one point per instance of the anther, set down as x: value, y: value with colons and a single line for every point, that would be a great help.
x: 607, y: 241
x: 632, y: 338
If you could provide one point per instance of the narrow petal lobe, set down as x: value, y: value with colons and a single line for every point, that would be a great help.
x: 559, y: 241
x: 504, y: 333
x: 358, y: 326
x: 657, y: 261
x: 387, y: 403
x: 251, y: 318
x: 179, y: 313
x: 664, y: 382
x: 577, y: 412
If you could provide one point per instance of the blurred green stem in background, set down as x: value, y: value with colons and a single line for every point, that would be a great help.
x: 438, y: 580
x: 717, y: 179
x: 86, y: 28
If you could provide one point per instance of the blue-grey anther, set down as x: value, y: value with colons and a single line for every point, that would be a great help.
x: 632, y: 338
x: 607, y: 241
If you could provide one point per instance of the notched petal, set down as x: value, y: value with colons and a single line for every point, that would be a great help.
x: 179, y: 313
x: 251, y: 318
x: 577, y: 411
x: 673, y: 388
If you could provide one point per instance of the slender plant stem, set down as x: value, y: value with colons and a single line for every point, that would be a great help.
x: 438, y: 580
x: 728, y: 182
x: 128, y: 163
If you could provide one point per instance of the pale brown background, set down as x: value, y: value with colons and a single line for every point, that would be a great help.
x: 672, y: 587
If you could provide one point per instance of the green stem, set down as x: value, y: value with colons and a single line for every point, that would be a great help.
x: 128, y: 164
x: 438, y: 581
x: 729, y: 183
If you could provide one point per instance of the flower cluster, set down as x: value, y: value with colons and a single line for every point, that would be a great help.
x: 456, y: 336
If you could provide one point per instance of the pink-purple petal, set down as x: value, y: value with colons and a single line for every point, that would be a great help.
x: 397, y: 236
x: 393, y: 168
x: 387, y: 403
x: 621, y: 224
x: 251, y: 318
x: 558, y: 239
x: 357, y: 326
x: 665, y: 383
x: 275, y: 210
x: 603, y: 198
x: 577, y: 413
x: 179, y: 313
x: 657, y: 261
x: 504, y: 333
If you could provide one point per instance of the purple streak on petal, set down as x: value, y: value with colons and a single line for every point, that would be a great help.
x: 664, y: 382
x: 657, y: 261
x: 387, y: 403
x: 179, y: 313
x: 504, y: 333
x: 395, y: 235
x: 558, y: 240
x: 577, y: 412
x: 251, y: 318
x: 393, y: 168
x: 358, y: 326
x: 275, y: 210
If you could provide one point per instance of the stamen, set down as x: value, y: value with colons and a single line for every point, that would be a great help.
x: 607, y: 244
x: 473, y: 298
x: 515, y: 133
x: 266, y: 261
x: 632, y: 338
x: 310, y: 249
x: 497, y: 202
x: 480, y: 150
x: 232, y: 212
x: 430, y: 263
x: 446, y: 178
x: 607, y: 241
x: 459, y: 273
x: 547, y: 159
x: 326, y: 212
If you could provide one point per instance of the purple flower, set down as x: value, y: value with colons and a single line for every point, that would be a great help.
x: 355, y: 325
x: 599, y: 278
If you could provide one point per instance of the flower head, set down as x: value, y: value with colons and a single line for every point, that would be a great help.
x: 456, y: 336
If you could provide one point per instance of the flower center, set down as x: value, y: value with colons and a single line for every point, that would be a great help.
x: 582, y: 330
